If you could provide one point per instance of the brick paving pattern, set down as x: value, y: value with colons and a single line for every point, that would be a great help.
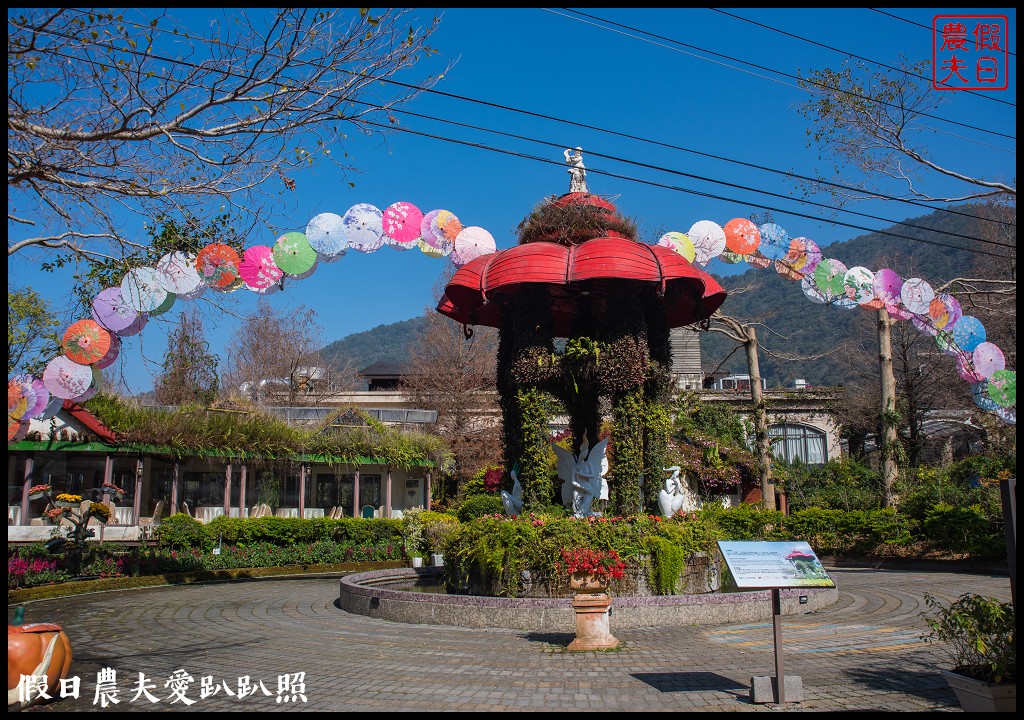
x: 861, y: 654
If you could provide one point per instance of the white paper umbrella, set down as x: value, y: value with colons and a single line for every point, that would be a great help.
x: 142, y: 289
x: 811, y: 291
x: 364, y: 227
x: 917, y: 295
x: 860, y: 285
x: 198, y: 292
x: 178, y: 273
x: 471, y: 243
x: 111, y: 311
x: 708, y: 240
x: 64, y: 378
x: 326, y: 234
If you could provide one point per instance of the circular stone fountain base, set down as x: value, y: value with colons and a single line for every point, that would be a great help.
x: 367, y: 594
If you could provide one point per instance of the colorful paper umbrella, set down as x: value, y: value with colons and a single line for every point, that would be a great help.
x: 946, y: 316
x: 968, y: 333
x: 258, y: 268
x: 679, y: 243
x: 52, y: 408
x: 111, y: 311
x: 217, y: 264
x: 294, y: 254
x: 42, y: 398
x: 844, y: 302
x: 29, y: 392
x: 198, y: 292
x: 471, y: 243
x: 944, y: 339
x: 111, y: 356
x: 829, y: 276
x: 859, y: 283
x: 774, y: 241
x: 965, y: 368
x: 439, y: 228
x: 783, y: 268
x: 898, y: 312
x: 888, y: 286
x: 988, y: 359
x: 65, y: 378
x: 85, y: 342
x: 326, y: 234
x: 1002, y: 388
x: 811, y: 290
x: 1007, y: 414
x: 979, y: 391
x: 401, y: 222
x: 741, y: 236
x: 917, y: 295
x: 17, y: 403
x: 811, y: 255
x: 924, y: 325
x: 757, y: 260
x: 364, y: 227
x: 142, y: 289
x: 431, y: 251
x: 731, y: 258
x: 166, y: 305
x: 136, y: 327
x: 178, y: 273
x: 708, y: 240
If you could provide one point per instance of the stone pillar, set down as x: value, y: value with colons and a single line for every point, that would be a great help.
x: 387, y: 496
x: 242, y: 481
x: 355, y: 495
x: 175, y: 473
x: 25, y: 485
x: 426, y: 490
x: 593, y: 628
x: 137, y: 505
x: 302, y: 491
x: 227, y: 490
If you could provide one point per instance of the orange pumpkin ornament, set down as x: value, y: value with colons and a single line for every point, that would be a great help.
x: 36, y: 649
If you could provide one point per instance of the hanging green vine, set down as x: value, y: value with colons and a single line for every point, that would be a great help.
x: 627, y: 462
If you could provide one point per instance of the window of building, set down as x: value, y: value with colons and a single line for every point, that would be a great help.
x: 790, y: 442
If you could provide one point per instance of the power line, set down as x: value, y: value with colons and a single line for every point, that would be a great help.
x: 780, y: 72
x: 920, y: 25
x: 859, y: 57
x: 663, y: 169
x: 695, y: 177
x: 581, y: 125
x: 682, y: 189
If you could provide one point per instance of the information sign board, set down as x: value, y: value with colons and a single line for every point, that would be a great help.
x: 790, y: 564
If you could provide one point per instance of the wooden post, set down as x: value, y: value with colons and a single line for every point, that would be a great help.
x: 387, y: 496
x: 25, y: 485
x: 227, y: 490
x: 241, y: 493
x: 175, y: 472
x: 780, y: 679
x: 355, y: 495
x: 889, y: 469
x: 302, y: 491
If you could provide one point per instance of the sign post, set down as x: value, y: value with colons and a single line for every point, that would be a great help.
x: 774, y: 566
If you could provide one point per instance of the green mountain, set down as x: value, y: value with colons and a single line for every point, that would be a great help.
x: 797, y: 325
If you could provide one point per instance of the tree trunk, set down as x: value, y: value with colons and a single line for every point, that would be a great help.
x: 761, y: 440
x: 888, y: 416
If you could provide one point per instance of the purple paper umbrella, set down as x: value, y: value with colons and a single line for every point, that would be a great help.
x: 887, y: 286
x: 108, y: 359
x: 111, y: 311
x: 42, y: 398
x: 988, y: 360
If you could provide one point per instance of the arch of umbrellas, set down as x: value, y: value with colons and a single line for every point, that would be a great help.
x: 91, y: 344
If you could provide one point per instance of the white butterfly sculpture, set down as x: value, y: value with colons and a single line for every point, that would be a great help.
x: 583, y: 476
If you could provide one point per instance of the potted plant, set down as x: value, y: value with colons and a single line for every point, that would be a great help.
x: 978, y: 634
x: 590, y: 570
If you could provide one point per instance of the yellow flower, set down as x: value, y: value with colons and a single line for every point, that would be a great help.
x: 64, y: 497
x: 100, y: 511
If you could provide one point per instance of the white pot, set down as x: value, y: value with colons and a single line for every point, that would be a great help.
x: 437, y: 559
x: 417, y: 562
x: 977, y: 696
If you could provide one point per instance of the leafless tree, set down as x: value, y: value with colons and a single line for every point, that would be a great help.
x: 455, y: 376
x: 190, y: 369
x: 118, y: 112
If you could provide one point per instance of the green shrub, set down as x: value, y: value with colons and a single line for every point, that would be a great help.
x: 958, y: 529
x: 476, y: 506
x: 182, y: 532
x: 436, y: 527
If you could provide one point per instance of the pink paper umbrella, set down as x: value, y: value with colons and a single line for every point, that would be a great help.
x: 471, y: 243
x: 401, y: 222
x: 258, y: 269
x: 42, y: 398
x: 965, y: 368
x: 988, y: 360
x: 111, y: 311
x: 111, y: 356
x: 65, y: 378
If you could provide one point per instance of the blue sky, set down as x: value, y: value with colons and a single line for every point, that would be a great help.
x: 562, y: 65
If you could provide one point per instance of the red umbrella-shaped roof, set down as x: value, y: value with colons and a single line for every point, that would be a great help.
x: 478, y: 292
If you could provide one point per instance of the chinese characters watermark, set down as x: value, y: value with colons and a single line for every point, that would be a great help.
x: 970, y: 52
x: 179, y: 687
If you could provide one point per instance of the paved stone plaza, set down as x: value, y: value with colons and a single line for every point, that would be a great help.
x: 863, y: 653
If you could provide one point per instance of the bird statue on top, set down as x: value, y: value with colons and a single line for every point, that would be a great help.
x: 582, y: 476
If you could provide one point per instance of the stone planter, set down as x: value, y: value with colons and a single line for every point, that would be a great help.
x: 587, y: 583
x: 979, y: 696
